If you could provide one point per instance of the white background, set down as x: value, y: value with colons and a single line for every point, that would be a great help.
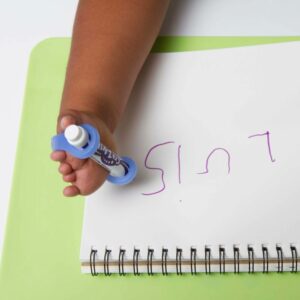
x: 24, y: 23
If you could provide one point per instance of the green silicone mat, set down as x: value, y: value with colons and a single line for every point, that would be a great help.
x: 41, y: 251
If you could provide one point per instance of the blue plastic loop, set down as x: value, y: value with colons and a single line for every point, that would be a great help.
x: 129, y: 176
x: 59, y: 142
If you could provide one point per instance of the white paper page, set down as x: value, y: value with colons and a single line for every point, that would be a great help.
x: 198, y: 103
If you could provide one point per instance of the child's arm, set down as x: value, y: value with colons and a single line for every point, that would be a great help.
x: 111, y: 40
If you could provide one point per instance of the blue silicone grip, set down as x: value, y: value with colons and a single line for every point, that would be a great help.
x: 59, y: 142
x: 129, y: 176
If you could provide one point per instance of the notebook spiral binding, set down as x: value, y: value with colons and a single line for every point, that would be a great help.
x: 207, y: 261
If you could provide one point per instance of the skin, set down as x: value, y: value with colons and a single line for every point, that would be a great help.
x: 110, y: 43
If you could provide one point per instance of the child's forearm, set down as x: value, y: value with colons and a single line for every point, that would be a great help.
x: 111, y: 40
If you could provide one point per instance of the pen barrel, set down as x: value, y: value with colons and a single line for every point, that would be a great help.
x: 109, y: 161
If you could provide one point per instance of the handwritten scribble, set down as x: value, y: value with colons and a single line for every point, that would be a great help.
x: 179, y: 163
x: 156, y: 168
x: 211, y: 153
x: 267, y: 133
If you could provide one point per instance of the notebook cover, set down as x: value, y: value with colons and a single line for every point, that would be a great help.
x: 41, y: 251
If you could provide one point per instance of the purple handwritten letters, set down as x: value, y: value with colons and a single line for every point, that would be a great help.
x: 162, y: 173
x: 267, y: 134
x: 225, y: 152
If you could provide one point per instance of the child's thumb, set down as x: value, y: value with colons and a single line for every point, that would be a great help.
x: 65, y: 121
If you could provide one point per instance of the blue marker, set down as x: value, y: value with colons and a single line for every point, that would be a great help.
x: 84, y: 142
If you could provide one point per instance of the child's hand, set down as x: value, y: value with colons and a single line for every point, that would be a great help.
x: 110, y: 42
x: 85, y: 176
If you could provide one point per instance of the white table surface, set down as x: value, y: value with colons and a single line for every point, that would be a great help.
x: 24, y: 23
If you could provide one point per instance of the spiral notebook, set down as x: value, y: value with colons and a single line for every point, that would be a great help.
x: 216, y: 138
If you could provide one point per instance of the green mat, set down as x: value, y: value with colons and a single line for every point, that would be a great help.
x: 41, y: 251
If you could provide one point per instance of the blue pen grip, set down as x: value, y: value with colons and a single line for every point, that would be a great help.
x: 59, y: 142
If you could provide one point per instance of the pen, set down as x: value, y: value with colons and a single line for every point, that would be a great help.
x: 84, y: 142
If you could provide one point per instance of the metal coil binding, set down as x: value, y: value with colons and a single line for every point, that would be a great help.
x: 222, y: 259
x: 93, y: 262
x: 207, y: 260
x: 121, y: 262
x: 279, y: 259
x: 149, y: 261
x: 265, y: 259
x: 193, y: 261
x: 135, y: 261
x: 236, y: 259
x: 178, y: 261
x: 164, y: 262
x: 106, y: 262
x: 294, y: 259
x: 250, y: 259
